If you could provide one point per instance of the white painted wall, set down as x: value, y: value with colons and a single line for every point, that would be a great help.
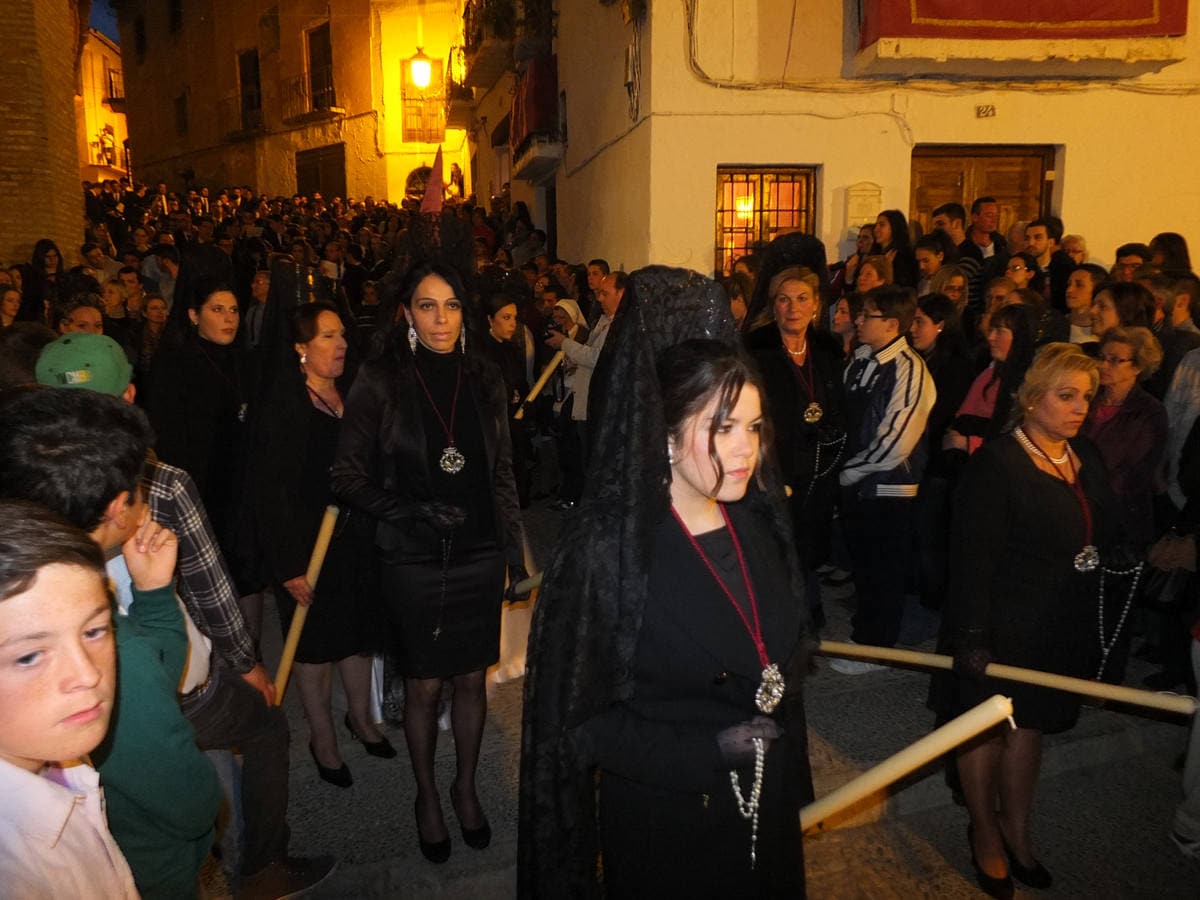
x: 1126, y: 150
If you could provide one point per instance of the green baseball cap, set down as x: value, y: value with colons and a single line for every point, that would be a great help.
x: 83, y: 360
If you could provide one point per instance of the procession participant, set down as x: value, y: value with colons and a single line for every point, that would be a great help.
x: 425, y: 450
x: 671, y: 654
x: 1031, y: 543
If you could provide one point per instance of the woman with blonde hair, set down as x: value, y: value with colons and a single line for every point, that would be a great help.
x: 873, y: 272
x: 1034, y: 523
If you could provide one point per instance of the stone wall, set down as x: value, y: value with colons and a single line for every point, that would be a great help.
x: 40, y: 194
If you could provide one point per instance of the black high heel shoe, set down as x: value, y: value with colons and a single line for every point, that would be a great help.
x: 1000, y: 888
x: 339, y: 777
x: 475, y: 838
x: 1036, y: 876
x: 434, y: 851
x: 381, y: 748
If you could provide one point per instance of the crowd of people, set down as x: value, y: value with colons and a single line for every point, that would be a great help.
x: 995, y: 424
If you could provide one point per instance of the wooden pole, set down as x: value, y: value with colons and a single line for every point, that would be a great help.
x: 541, y: 383
x: 1176, y: 703
x: 957, y: 731
x: 315, y: 562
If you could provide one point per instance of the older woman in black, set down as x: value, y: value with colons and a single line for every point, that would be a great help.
x: 1033, y: 534
x: 295, y: 439
x: 802, y: 378
x: 425, y: 450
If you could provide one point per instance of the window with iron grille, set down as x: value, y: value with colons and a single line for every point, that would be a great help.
x: 756, y: 204
x: 425, y: 108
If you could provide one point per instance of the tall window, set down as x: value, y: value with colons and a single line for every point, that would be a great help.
x: 757, y: 204
x: 320, y: 68
x: 425, y: 109
x: 251, y: 89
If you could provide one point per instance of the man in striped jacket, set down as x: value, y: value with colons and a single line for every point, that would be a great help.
x: 889, y: 393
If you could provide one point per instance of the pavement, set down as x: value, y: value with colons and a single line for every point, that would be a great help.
x: 1104, y: 807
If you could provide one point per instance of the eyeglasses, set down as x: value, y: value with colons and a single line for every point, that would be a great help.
x: 1017, y: 269
x: 867, y: 315
x: 1114, y: 360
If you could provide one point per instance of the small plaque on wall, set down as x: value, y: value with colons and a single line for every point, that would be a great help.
x: 863, y: 203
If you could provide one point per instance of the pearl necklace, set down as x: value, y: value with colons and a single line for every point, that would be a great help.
x: 799, y: 352
x: 1025, y: 442
x: 748, y: 806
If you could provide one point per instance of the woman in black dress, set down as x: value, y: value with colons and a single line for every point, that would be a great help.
x: 669, y: 641
x: 1032, y: 508
x: 802, y: 378
x: 425, y: 450
x: 503, y: 321
x: 294, y: 444
x: 200, y: 389
x: 892, y: 242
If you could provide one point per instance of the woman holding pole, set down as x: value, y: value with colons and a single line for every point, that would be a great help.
x: 1030, y: 554
x: 670, y: 654
x: 425, y: 450
x: 294, y: 440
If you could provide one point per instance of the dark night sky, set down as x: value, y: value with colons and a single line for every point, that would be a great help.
x: 104, y: 19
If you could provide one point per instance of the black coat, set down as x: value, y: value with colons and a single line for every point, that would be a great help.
x: 382, y: 465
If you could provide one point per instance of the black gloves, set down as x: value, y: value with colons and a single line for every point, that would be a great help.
x: 516, y: 574
x: 971, y: 661
x: 736, y: 742
x: 433, y: 518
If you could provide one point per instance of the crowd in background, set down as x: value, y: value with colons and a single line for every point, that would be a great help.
x: 893, y: 379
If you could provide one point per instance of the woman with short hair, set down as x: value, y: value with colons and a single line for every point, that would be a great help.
x: 1129, y: 426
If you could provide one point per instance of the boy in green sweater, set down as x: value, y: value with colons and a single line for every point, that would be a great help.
x: 81, y: 454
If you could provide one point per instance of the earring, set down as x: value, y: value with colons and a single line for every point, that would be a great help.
x: 303, y: 358
x: 412, y: 339
x: 462, y: 339
x: 670, y: 454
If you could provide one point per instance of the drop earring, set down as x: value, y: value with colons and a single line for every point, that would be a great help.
x: 303, y: 358
x: 412, y: 339
x: 670, y: 454
x: 462, y: 339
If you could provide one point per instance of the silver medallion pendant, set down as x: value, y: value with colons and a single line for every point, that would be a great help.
x: 1087, y: 559
x: 813, y: 413
x: 452, y: 461
x: 770, y: 690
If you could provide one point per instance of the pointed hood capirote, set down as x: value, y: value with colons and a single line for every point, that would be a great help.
x: 589, y: 612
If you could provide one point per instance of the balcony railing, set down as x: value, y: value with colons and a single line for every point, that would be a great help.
x: 459, y: 98
x: 308, y: 94
x: 490, y: 26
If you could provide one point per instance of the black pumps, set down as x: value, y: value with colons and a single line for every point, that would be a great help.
x: 339, y: 777
x: 381, y: 748
x: 1000, y: 888
x: 434, y: 851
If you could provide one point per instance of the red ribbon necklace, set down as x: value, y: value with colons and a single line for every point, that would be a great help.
x: 755, y: 630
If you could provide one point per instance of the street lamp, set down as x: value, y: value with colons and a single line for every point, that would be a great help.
x: 420, y: 69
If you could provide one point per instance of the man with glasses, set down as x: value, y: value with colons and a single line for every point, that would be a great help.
x: 889, y: 394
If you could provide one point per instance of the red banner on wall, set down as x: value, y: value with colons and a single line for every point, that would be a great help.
x: 1021, y: 19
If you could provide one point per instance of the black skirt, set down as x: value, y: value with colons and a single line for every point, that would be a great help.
x: 442, y: 633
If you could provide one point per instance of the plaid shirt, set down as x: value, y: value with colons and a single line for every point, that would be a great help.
x: 204, y: 582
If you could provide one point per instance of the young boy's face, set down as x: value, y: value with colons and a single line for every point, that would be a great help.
x: 57, y: 668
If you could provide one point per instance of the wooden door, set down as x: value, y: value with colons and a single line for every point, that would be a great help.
x: 1018, y: 176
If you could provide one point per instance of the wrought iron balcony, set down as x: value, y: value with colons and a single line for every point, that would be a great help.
x: 309, y: 95
x: 490, y: 27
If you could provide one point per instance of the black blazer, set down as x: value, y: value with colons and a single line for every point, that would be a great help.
x: 382, y: 465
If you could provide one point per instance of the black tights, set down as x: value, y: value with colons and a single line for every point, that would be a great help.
x: 467, y: 714
x: 999, y: 773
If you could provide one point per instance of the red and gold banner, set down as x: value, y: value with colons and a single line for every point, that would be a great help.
x: 1021, y: 19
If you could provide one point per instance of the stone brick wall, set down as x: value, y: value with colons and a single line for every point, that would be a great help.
x: 40, y: 193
